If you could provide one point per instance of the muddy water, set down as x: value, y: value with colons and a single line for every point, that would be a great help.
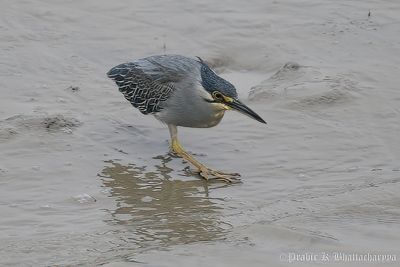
x: 85, y: 180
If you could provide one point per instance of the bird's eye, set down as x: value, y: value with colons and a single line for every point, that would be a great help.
x: 218, y: 96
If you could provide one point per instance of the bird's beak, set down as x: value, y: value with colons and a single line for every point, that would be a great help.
x: 242, y: 108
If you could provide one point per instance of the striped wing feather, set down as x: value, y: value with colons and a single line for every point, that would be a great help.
x: 144, y: 89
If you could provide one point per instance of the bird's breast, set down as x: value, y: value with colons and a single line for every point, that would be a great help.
x: 188, y: 107
x: 211, y: 119
x: 202, y: 115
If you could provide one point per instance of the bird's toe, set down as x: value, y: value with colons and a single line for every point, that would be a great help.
x: 209, y: 174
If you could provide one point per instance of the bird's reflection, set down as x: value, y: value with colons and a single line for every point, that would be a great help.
x: 158, y: 210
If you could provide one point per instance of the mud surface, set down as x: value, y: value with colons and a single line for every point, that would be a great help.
x: 86, y: 180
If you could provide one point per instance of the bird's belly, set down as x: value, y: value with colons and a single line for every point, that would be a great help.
x: 206, y: 121
x: 191, y: 118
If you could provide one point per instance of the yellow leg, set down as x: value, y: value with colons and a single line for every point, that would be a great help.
x: 203, y: 170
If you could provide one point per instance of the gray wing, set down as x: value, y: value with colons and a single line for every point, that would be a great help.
x: 145, y: 84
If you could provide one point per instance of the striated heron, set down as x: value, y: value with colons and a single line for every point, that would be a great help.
x: 180, y: 91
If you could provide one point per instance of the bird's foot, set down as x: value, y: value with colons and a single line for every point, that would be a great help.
x: 209, y: 174
x: 202, y: 170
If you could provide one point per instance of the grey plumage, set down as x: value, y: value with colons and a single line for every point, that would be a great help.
x: 146, y: 83
x: 151, y: 84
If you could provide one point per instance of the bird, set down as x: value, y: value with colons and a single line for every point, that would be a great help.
x: 180, y: 91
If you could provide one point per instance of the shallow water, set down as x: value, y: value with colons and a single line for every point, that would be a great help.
x: 86, y: 180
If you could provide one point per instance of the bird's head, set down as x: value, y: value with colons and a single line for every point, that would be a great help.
x: 223, y: 92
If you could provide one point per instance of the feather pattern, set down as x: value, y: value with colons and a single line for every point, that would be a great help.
x: 147, y: 83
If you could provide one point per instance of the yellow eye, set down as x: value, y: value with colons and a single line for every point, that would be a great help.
x: 217, y: 96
